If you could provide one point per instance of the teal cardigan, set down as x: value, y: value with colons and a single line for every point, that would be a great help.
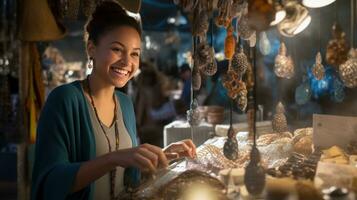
x: 65, y: 139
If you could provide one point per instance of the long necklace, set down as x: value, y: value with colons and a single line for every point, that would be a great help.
x: 112, y: 172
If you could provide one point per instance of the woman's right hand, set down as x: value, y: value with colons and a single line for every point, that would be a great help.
x: 146, y: 157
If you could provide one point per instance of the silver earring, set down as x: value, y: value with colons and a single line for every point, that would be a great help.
x: 90, y: 63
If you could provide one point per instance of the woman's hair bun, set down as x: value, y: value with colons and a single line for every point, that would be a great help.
x: 108, y: 9
x: 106, y: 16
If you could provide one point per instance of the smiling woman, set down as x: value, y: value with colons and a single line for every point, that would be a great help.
x: 86, y: 138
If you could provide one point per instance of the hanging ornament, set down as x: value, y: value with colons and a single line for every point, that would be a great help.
x: 338, y: 92
x: 279, y: 122
x: 245, y: 31
x: 237, y: 9
x: 202, y: 54
x: 240, y: 61
x: 211, y: 68
x: 264, y: 44
x: 254, y: 177
x: 224, y: 16
x: 229, y: 43
x: 348, y: 70
x: 242, y: 98
x: 200, y: 21
x: 260, y: 14
x: 318, y: 69
x: 230, y: 147
x: 284, y: 66
x: 303, y: 93
x: 232, y: 82
x: 337, y: 48
x: 193, y: 115
x: 196, y: 78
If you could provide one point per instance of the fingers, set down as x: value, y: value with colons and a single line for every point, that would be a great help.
x: 171, y: 156
x: 183, y: 148
x: 192, y: 146
x: 158, y: 151
x: 143, y: 163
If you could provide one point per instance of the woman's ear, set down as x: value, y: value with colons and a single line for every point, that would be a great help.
x: 90, y: 48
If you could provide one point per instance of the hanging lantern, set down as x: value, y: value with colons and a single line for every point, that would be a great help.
x: 284, y: 66
x: 318, y: 69
x: 337, y: 48
x: 240, y: 61
x: 348, y: 70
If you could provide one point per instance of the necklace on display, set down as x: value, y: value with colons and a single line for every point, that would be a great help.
x: 112, y: 172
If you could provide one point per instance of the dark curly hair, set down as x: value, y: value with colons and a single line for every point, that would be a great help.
x: 107, y: 16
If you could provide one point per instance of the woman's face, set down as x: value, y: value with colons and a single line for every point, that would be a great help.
x: 116, y: 56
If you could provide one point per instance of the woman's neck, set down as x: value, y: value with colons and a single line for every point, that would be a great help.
x: 100, y: 90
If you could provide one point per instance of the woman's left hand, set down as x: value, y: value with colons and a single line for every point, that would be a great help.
x: 184, y: 148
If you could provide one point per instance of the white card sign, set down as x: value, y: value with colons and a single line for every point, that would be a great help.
x: 332, y: 130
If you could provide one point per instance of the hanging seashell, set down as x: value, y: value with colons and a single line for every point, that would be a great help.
x: 348, y: 70
x: 224, y: 8
x: 279, y: 121
x: 264, y: 44
x: 284, y: 66
x: 244, y: 30
x: 211, y: 68
x: 240, y: 61
x: 337, y: 48
x: 200, y: 22
x: 229, y: 43
x: 254, y: 177
x: 318, y: 69
x: 196, y: 78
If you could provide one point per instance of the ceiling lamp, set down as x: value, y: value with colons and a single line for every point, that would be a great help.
x: 279, y: 14
x: 317, y: 3
x: 296, y: 20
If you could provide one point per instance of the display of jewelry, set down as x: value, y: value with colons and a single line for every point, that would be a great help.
x: 337, y: 47
x: 279, y: 122
x: 284, y: 66
x: 348, y: 70
x: 318, y: 69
